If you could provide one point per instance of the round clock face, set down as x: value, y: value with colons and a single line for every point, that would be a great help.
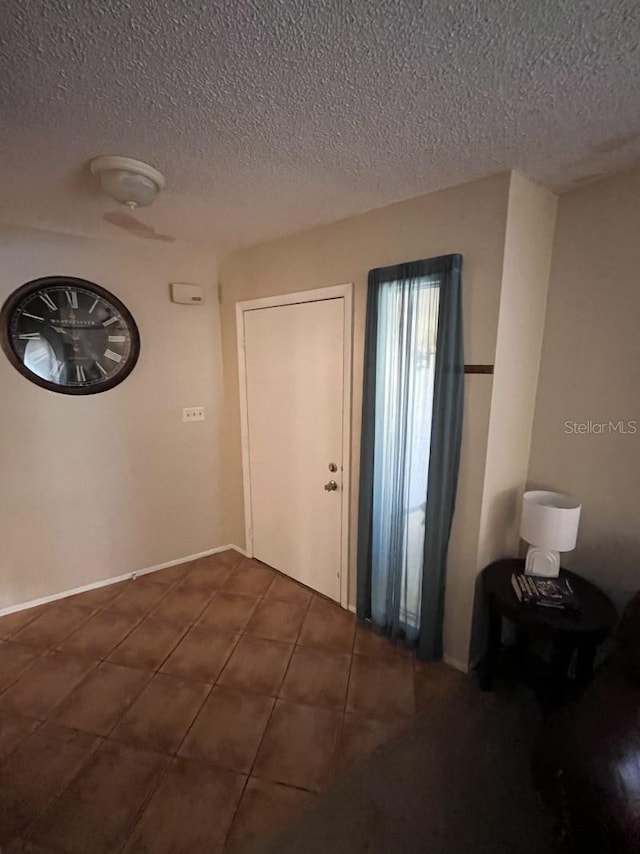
x: 69, y: 335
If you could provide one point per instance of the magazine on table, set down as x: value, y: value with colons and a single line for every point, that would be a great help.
x: 545, y: 592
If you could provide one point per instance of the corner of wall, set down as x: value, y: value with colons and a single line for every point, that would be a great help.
x: 523, y: 296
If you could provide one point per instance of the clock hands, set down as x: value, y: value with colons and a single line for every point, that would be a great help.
x: 71, y: 336
x: 68, y: 330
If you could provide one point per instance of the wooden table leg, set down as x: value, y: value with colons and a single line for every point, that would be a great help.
x: 561, y: 654
x: 522, y: 650
x: 492, y: 651
x: 584, y: 663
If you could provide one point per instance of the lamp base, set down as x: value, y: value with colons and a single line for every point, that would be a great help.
x: 544, y: 563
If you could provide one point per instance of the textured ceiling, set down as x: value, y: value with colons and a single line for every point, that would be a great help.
x: 269, y: 116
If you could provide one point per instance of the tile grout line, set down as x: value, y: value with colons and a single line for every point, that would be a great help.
x: 195, y: 621
x: 336, y: 747
x: 212, y: 685
x: 102, y: 739
x: 240, y: 635
x: 248, y: 776
x: 185, y: 631
x: 98, y: 662
x: 268, y: 721
x: 28, y: 623
x: 158, y: 672
x: 60, y: 640
x: 26, y: 831
x: 101, y: 609
x: 140, y: 619
x: 38, y: 723
x: 170, y: 757
x: 40, y: 655
x: 175, y: 753
x: 298, y: 646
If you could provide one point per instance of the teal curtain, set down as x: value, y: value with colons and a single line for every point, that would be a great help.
x: 411, y: 435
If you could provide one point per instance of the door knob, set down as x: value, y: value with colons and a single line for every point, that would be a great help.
x: 331, y: 486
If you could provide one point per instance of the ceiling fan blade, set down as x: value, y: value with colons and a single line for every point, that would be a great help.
x: 135, y: 227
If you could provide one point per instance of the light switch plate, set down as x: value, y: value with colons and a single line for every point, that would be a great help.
x: 193, y: 413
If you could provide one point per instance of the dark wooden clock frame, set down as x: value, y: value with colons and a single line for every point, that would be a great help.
x: 49, y: 281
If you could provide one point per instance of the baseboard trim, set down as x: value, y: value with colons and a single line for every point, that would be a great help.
x: 105, y: 582
x: 462, y: 666
x: 474, y: 664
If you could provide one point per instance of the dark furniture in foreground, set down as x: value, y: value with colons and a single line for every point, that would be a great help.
x: 587, y: 760
x: 568, y: 634
x: 458, y: 781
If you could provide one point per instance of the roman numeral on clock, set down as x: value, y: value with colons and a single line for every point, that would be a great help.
x: 69, y: 335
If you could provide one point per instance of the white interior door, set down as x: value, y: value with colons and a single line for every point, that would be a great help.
x: 294, y: 364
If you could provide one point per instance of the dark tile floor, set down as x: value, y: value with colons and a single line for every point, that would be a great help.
x: 188, y: 710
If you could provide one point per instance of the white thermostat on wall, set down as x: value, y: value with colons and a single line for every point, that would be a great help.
x: 186, y: 294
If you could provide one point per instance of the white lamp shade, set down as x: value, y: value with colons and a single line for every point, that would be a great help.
x: 550, y: 520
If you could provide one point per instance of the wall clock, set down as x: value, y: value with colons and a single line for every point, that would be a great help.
x: 69, y: 335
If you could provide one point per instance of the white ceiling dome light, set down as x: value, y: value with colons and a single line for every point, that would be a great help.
x: 128, y: 181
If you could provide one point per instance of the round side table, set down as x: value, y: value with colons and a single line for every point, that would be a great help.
x: 569, y: 633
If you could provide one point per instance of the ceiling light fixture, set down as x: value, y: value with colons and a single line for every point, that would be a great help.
x: 128, y: 181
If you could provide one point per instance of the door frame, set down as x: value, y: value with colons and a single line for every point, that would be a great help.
x: 317, y: 295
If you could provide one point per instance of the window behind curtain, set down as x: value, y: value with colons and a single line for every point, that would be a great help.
x: 405, y: 361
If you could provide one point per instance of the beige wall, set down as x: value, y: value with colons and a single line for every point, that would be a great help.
x: 590, y: 371
x: 469, y: 219
x: 97, y: 486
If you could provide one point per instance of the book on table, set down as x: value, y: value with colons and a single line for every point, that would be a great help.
x: 545, y: 592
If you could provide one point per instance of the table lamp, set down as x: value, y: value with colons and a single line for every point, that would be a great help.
x: 549, y: 524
